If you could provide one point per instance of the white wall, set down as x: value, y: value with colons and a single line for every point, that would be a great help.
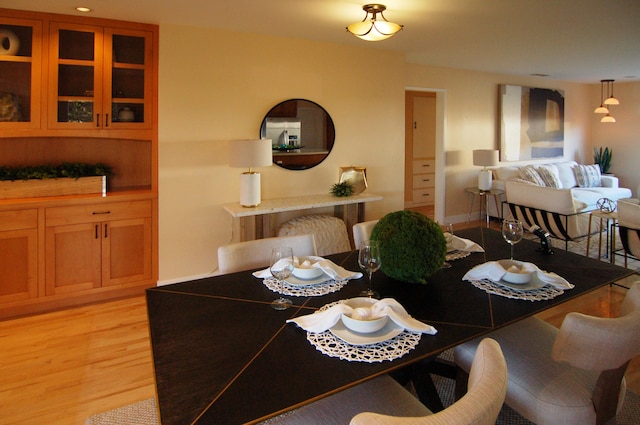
x: 216, y: 86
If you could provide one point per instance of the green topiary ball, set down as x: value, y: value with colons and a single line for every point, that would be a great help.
x: 412, y: 246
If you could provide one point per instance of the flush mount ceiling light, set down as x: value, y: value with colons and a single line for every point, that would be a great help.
x: 373, y: 29
x: 83, y: 9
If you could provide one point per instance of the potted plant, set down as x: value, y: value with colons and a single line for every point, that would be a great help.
x: 602, y: 157
x: 53, y: 180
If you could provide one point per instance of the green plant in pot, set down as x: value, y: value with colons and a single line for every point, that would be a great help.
x: 602, y: 157
x: 412, y: 246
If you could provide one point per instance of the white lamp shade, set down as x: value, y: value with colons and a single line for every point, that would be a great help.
x: 485, y: 157
x: 250, y: 153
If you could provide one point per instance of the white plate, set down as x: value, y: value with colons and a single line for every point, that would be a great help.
x: 390, y: 330
x: 296, y: 281
x: 533, y: 284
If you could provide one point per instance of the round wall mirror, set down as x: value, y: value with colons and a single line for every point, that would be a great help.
x: 301, y: 132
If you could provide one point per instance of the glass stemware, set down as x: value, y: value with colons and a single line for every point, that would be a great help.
x: 281, y: 268
x: 512, y: 232
x: 369, y: 262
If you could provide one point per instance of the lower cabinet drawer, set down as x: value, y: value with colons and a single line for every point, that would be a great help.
x: 424, y: 196
x: 423, y: 180
x: 97, y: 212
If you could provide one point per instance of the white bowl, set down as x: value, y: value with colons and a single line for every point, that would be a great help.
x: 306, y: 269
x: 360, y: 322
x: 515, y: 273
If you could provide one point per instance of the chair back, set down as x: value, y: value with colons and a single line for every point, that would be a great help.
x: 479, y: 406
x: 330, y: 233
x: 629, y: 226
x: 596, y: 343
x: 362, y: 232
x: 257, y: 253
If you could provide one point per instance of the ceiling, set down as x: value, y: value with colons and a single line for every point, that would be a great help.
x: 581, y: 41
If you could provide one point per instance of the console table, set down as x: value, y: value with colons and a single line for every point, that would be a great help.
x: 348, y: 208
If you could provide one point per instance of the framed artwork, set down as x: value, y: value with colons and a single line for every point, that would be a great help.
x: 357, y: 176
x: 531, y: 123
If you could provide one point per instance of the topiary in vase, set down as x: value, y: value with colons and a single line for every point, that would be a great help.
x: 412, y: 246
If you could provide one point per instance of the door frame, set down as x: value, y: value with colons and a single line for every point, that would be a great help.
x: 439, y: 207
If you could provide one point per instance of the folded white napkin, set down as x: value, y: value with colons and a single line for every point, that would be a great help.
x: 320, y: 321
x: 330, y: 268
x: 456, y: 243
x: 492, y: 270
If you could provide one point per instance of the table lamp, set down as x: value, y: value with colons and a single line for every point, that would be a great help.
x: 250, y: 154
x: 485, y: 158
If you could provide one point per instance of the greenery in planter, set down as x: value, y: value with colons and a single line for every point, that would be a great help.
x: 66, y: 169
x: 602, y: 157
x: 342, y: 189
x: 412, y: 246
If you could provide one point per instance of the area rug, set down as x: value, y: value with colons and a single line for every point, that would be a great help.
x: 144, y: 412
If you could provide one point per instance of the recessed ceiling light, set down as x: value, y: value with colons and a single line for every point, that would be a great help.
x: 83, y: 9
x: 537, y: 74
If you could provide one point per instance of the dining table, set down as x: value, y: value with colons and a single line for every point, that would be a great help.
x: 222, y: 355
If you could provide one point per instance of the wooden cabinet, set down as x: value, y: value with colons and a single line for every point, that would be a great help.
x: 20, y: 73
x: 99, y: 78
x: 423, y: 181
x: 78, y: 89
x: 18, y: 255
x: 93, y: 246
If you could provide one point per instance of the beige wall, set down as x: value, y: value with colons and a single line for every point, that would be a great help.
x: 623, y: 136
x: 216, y: 86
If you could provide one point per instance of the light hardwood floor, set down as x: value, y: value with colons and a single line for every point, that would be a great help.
x: 60, y: 368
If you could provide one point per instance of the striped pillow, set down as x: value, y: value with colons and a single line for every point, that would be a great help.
x: 587, y: 175
x: 550, y: 178
x: 530, y: 174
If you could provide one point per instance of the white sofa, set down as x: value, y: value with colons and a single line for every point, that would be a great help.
x: 538, y: 198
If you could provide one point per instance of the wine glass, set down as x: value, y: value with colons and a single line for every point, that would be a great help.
x: 369, y: 262
x: 281, y: 268
x: 512, y: 232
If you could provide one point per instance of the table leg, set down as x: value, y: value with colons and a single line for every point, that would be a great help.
x: 600, y: 241
x: 486, y: 207
x: 498, y: 209
x: 589, y: 234
x: 473, y: 196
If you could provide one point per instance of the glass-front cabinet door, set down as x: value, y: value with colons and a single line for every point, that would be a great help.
x: 101, y: 78
x: 20, y: 73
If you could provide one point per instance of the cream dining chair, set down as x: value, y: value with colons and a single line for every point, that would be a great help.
x: 330, y: 233
x: 362, y: 232
x: 372, y: 402
x: 257, y: 253
x: 629, y: 227
x: 571, y: 375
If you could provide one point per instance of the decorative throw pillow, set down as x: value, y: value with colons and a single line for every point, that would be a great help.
x: 587, y: 175
x: 529, y: 173
x: 550, y: 178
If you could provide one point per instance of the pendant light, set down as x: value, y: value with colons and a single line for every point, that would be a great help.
x: 610, y: 100
x: 373, y: 29
x: 608, y: 118
x: 601, y: 109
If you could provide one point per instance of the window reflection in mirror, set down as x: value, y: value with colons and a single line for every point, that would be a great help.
x: 301, y: 131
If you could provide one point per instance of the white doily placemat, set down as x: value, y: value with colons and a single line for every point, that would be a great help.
x: 456, y: 255
x: 545, y: 292
x: 316, y: 290
x: 393, y: 348
x: 329, y: 344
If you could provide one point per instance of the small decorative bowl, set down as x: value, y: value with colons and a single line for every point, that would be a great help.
x: 359, y: 321
x: 515, y: 273
x: 306, y: 270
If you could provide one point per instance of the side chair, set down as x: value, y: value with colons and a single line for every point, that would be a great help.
x: 571, y: 375
x: 629, y: 227
x: 371, y: 402
x: 254, y: 254
x: 362, y: 232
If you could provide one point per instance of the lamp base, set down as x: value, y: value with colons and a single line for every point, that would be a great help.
x: 484, y: 180
x: 250, y: 189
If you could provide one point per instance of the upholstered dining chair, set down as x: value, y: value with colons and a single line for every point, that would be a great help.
x: 571, y: 375
x: 372, y: 402
x: 330, y: 233
x: 629, y: 227
x: 254, y: 254
x: 362, y: 231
